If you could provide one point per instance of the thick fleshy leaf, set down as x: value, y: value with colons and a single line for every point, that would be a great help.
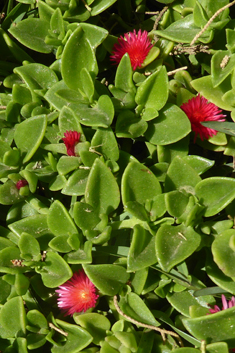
x: 175, y: 244
x: 76, y: 339
x: 130, y: 125
x: 133, y: 306
x: 29, y: 143
x: 104, y: 142
x: 170, y: 126
x: 139, y: 184
x: 215, y: 193
x: 101, y: 114
x: 37, y: 76
x: 181, y: 31
x: 182, y: 301
x: 153, y: 93
x: 95, y: 324
x: 29, y: 247
x: 218, y: 277
x: 32, y: 32
x: 102, y: 191
x: 198, y: 163
x: 76, y: 184
x: 9, y: 194
x: 85, y: 216
x: 77, y: 54
x: 204, y: 86
x: 109, y: 279
x: 59, y: 220
x: 13, y: 318
x: 181, y: 176
x: 99, y: 6
x: 94, y: 34
x: 213, y: 328
x: 55, y: 271
x: 142, y: 252
x: 223, y: 252
x: 35, y: 225
x: 220, y: 71
x: 68, y: 121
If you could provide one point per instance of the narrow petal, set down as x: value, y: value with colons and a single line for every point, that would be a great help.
x: 136, y: 45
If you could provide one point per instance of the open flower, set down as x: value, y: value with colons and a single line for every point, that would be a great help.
x: 20, y: 183
x: 136, y: 45
x: 226, y: 305
x: 70, y: 140
x: 199, y: 109
x: 77, y: 294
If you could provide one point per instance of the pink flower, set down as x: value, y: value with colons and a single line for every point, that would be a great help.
x: 199, y: 109
x: 20, y: 183
x: 77, y: 294
x: 226, y: 305
x: 136, y: 45
x: 70, y: 140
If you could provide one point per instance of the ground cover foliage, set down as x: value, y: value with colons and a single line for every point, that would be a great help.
x: 139, y: 203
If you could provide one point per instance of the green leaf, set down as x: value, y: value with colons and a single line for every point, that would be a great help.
x: 142, y: 252
x: 139, y: 184
x: 104, y: 142
x: 101, y: 114
x: 76, y: 184
x: 218, y: 71
x: 102, y: 191
x: 109, y: 279
x: 37, y: 76
x: 153, y: 93
x: 76, y: 340
x: 174, y: 244
x: 77, y: 55
x: 170, y: 126
x: 133, y: 306
x: 59, y: 220
x: 94, y: 34
x: 181, y: 176
x: 130, y: 125
x: 213, y: 328
x: 85, y: 216
x: 35, y: 225
x: 29, y: 247
x: 29, y: 143
x: 198, y: 163
x: 95, y: 324
x: 55, y: 271
x: 215, y: 194
x: 32, y: 32
x: 181, y: 31
x: 9, y: 194
x: 182, y: 301
x: 223, y: 252
x: 204, y: 86
x: 13, y: 318
x: 99, y: 6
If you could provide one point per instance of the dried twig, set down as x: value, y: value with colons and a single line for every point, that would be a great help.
x: 199, y: 48
x: 176, y: 70
x: 158, y: 19
x: 211, y: 20
x: 162, y: 331
x: 51, y: 325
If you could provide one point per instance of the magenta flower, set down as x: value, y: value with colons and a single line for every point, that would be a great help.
x: 199, y: 109
x: 71, y: 139
x: 20, y: 183
x: 226, y: 305
x: 136, y: 45
x: 77, y: 294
